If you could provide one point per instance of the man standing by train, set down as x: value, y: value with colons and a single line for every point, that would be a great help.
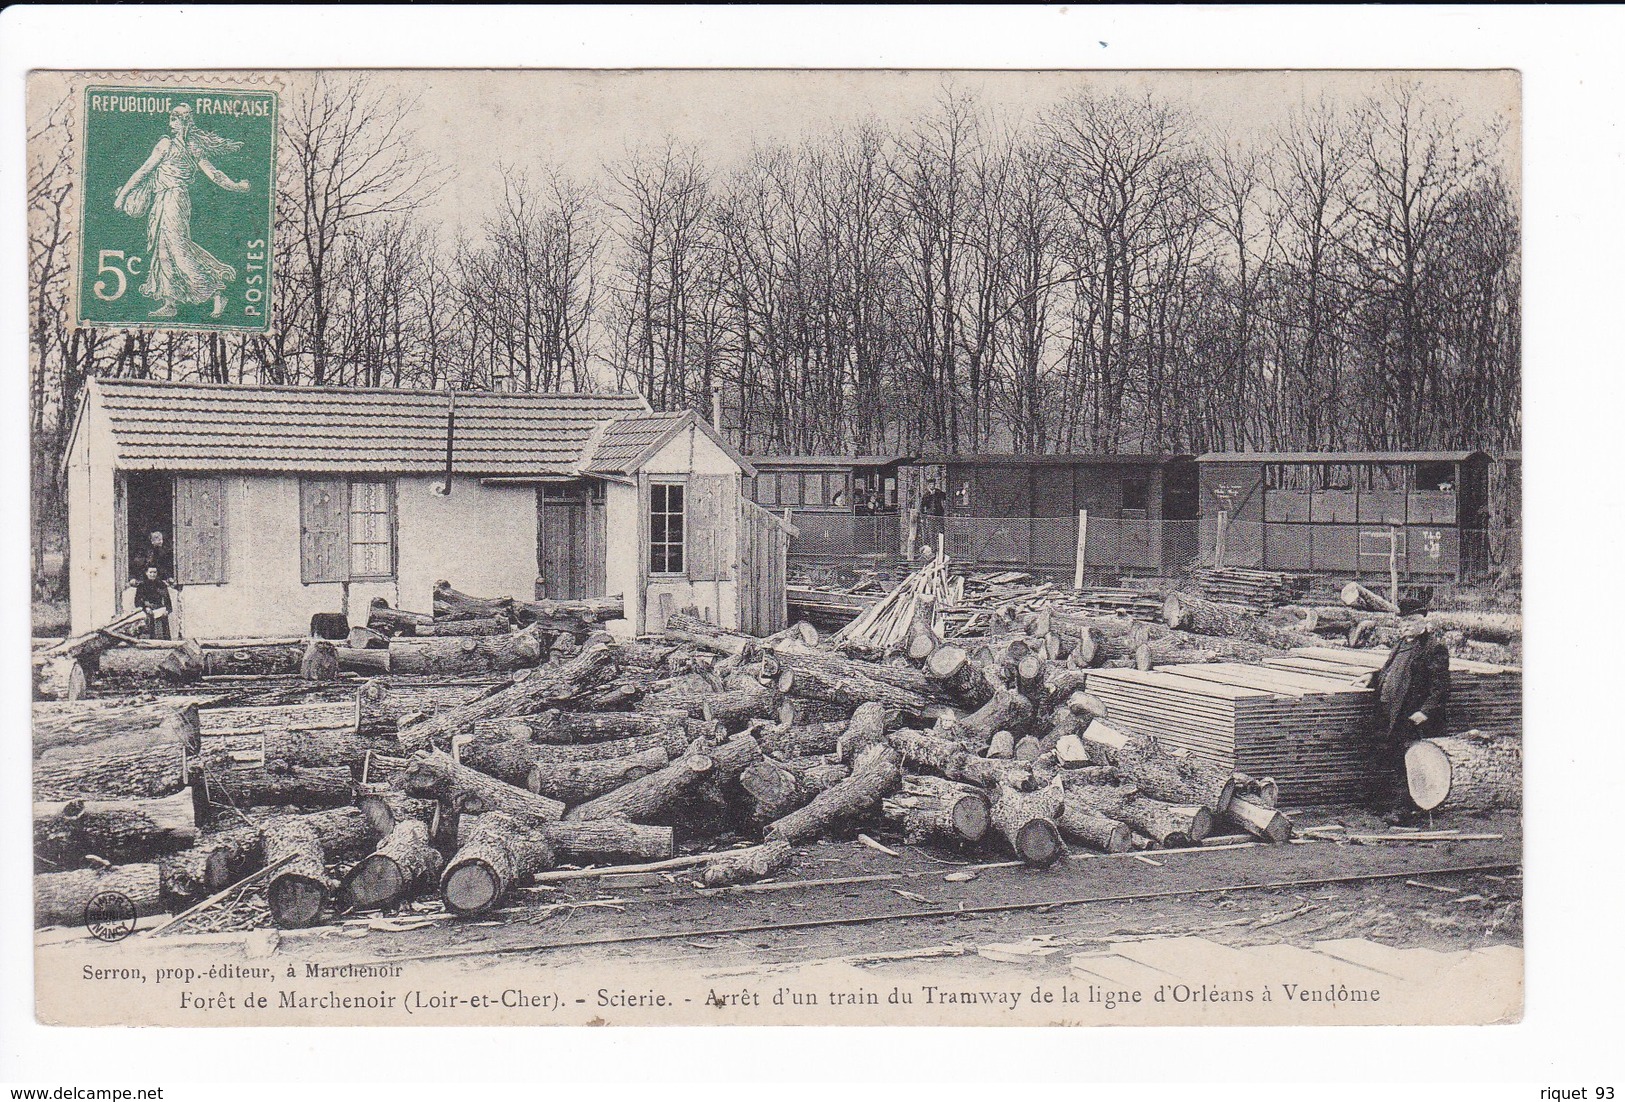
x: 1413, y: 689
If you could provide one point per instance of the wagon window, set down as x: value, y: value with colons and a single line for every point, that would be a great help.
x: 1136, y: 493
x: 1385, y: 478
x: 767, y: 489
x: 1435, y: 476
x: 1337, y: 476
x: 1296, y: 477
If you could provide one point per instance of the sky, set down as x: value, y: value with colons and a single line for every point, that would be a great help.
x: 476, y: 121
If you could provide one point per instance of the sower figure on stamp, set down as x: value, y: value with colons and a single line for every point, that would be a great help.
x: 1413, y: 689
x: 178, y: 268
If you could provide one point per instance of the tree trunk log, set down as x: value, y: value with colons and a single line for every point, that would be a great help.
x: 802, y: 741
x: 1259, y: 820
x: 531, y: 692
x: 385, y: 809
x: 395, y: 621
x: 578, y: 782
x: 277, y: 785
x: 403, y: 864
x: 252, y: 658
x: 933, y: 809
x: 298, y: 890
x: 569, y: 728
x: 1177, y: 779
x: 92, y: 643
x: 1026, y: 820
x: 499, y: 851
x: 1184, y: 612
x: 579, y: 615
x: 772, y: 791
x: 1170, y: 826
x: 1465, y: 773
x: 876, y: 773
x: 1006, y: 711
x: 1355, y: 595
x: 506, y: 750
x: 953, y: 761
x: 866, y: 728
x: 60, y: 678
x: 734, y: 708
x: 320, y: 661
x: 612, y: 840
x: 746, y: 865
x: 1489, y: 627
x: 360, y: 660
x: 434, y: 773
x: 170, y: 664
x: 82, y: 750
x: 114, y: 830
x: 958, y: 677
x: 650, y: 799
x: 457, y: 655
x: 452, y: 605
x: 382, y: 708
x: 62, y: 898
x: 1086, y: 826
x: 850, y: 683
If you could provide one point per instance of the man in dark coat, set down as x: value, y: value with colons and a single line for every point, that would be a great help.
x: 1413, y: 689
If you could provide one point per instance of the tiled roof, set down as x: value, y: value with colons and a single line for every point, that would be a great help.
x: 214, y: 427
x: 625, y: 444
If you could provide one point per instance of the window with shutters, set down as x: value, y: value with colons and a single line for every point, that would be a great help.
x: 346, y: 530
x: 667, y: 528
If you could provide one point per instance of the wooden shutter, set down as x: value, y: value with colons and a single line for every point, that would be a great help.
x: 711, y: 545
x: 324, y: 530
x: 200, y: 531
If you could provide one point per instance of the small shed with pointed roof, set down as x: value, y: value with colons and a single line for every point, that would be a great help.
x: 276, y: 503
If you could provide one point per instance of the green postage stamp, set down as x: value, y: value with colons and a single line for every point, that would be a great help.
x: 179, y: 189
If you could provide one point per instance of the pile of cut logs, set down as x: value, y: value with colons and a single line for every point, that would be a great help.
x: 662, y: 752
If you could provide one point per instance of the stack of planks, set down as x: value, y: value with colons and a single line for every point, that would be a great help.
x: 1483, y: 696
x: 1259, y: 590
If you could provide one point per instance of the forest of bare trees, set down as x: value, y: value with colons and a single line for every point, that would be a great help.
x: 1107, y: 274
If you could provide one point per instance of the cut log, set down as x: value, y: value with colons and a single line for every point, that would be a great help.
x: 88, y: 725
x: 1489, y: 627
x: 691, y: 629
x: 734, y: 708
x: 403, y: 864
x: 299, y: 888
x: 951, y: 760
x: 61, y: 678
x: 1086, y: 826
x: 645, y: 655
x: 361, y: 638
x: 1258, y: 820
x: 848, y: 683
x: 434, y: 774
x: 772, y: 791
x: 99, y: 752
x: 1027, y: 748
x: 958, y: 677
x: 1170, y: 826
x: 1468, y: 772
x: 229, y: 854
x: 118, y: 831
x: 360, y: 660
x: 68, y: 898
x: 385, y: 809
x: 253, y: 659
x: 578, y: 782
x: 933, y: 809
x: 382, y: 708
x: 1355, y: 595
x: 1163, y: 776
x: 575, y: 615
x: 650, y: 799
x: 166, y: 664
x: 802, y: 741
x: 1184, y: 612
x: 1026, y: 820
x: 499, y: 852
x: 817, y: 774
x: 532, y: 691
x: 1005, y: 711
x: 746, y: 865
x: 569, y: 728
x: 456, y: 655
x: 1002, y: 745
x: 275, y: 784
x: 452, y: 605
x: 504, y: 749
x: 395, y: 621
x: 866, y: 728
x: 314, y: 748
x: 612, y: 840
x: 876, y: 773
x: 88, y: 645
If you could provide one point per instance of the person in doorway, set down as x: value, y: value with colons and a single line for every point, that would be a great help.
x: 155, y: 554
x: 152, y: 598
x: 1413, y: 691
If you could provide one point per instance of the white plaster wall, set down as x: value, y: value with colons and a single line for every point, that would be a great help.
x: 480, y: 538
x: 693, y: 452
x: 93, y: 582
x: 623, y: 556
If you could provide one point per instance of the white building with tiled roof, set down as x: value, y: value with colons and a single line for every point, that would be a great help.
x: 277, y: 503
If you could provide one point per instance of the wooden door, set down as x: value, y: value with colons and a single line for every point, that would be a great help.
x: 569, y: 543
